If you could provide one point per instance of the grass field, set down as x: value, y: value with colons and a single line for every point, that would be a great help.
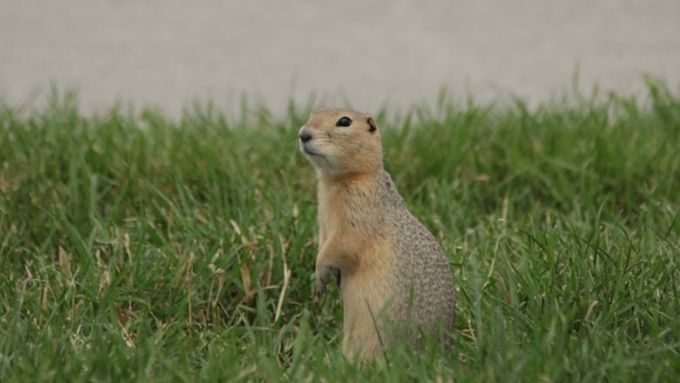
x: 137, y: 248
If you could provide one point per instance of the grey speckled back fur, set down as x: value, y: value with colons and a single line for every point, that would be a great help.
x: 424, y: 292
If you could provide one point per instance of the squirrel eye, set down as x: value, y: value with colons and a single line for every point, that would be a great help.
x: 344, y: 122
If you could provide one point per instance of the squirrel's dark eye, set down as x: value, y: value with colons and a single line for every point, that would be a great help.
x: 344, y: 122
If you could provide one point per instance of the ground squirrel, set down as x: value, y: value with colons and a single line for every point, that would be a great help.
x: 395, y: 280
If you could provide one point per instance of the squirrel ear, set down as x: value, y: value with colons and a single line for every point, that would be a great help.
x: 372, y: 126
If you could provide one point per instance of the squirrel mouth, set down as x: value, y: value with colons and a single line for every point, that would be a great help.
x: 306, y: 150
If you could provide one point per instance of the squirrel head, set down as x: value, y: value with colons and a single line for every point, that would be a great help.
x: 342, y: 142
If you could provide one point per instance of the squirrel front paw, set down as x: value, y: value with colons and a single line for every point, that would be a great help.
x: 323, y: 277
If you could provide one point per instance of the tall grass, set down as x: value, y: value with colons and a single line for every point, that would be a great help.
x: 134, y: 247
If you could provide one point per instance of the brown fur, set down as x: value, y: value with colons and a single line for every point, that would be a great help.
x: 393, y: 273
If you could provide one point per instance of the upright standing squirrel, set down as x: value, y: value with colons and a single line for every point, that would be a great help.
x: 394, y: 277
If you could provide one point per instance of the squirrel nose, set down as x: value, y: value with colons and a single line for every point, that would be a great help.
x: 304, y: 137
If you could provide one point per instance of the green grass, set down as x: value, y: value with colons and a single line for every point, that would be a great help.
x: 138, y: 248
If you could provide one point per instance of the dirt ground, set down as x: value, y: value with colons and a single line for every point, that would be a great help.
x: 167, y: 53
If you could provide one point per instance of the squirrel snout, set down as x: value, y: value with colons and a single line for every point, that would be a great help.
x: 305, y: 136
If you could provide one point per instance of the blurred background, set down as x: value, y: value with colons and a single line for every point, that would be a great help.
x: 166, y: 54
